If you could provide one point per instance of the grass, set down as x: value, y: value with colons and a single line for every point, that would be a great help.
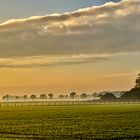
x: 70, y: 122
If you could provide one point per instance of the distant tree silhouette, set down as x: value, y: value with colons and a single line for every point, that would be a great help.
x: 76, y: 96
x: 25, y: 97
x: 134, y: 93
x: 83, y: 95
x: 17, y: 97
x: 61, y: 96
x: 108, y: 96
x: 50, y: 96
x: 137, y: 82
x: 100, y: 95
x: 6, y: 97
x: 43, y: 96
x: 66, y: 96
x: 72, y: 95
x: 33, y: 97
x: 95, y: 95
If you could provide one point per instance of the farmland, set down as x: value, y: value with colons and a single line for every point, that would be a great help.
x: 70, y: 122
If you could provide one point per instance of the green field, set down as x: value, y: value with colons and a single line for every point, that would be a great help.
x: 70, y: 122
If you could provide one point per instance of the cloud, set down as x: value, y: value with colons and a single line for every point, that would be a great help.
x: 117, y: 75
x: 108, y: 29
x: 43, y: 61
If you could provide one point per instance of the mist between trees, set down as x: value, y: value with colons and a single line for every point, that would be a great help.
x: 132, y: 95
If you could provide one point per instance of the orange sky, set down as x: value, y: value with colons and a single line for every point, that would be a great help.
x: 91, y: 77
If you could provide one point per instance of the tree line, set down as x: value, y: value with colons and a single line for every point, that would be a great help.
x: 50, y: 96
x: 133, y: 94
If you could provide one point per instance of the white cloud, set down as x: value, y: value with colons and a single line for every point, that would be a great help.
x: 108, y: 29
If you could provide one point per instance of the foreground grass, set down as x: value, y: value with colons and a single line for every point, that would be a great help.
x: 71, y: 122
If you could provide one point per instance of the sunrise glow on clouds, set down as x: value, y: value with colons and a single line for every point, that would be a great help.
x: 90, y: 35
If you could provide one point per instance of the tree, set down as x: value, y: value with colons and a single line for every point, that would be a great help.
x: 61, y: 96
x: 6, y: 97
x: 95, y: 95
x: 134, y: 93
x: 83, y: 95
x: 50, y: 96
x: 66, y: 96
x: 25, y: 97
x: 43, y: 96
x: 72, y: 95
x: 108, y: 96
x: 100, y: 95
x: 33, y: 97
x: 137, y: 82
x: 17, y: 97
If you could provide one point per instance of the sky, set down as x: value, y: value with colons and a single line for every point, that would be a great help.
x: 63, y: 46
x: 26, y: 8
